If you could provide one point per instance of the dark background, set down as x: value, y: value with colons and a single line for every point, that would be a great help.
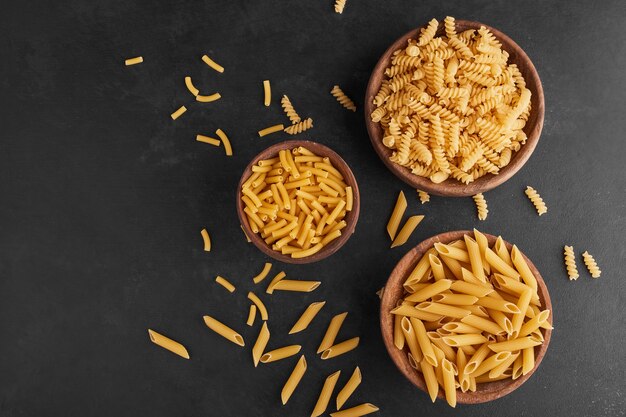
x: 102, y: 197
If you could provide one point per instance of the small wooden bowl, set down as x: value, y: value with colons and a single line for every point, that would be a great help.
x: 351, y: 218
x: 452, y: 187
x: 394, y: 291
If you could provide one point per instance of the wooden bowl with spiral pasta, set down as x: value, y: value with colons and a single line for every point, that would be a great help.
x: 452, y: 187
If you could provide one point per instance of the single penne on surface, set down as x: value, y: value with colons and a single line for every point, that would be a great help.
x: 167, y: 343
x: 349, y: 388
x: 307, y: 317
x: 294, y: 379
x: 223, y: 330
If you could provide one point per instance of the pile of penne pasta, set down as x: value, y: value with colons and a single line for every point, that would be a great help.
x: 296, y: 201
x: 471, y: 314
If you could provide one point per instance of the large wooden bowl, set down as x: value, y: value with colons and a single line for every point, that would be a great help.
x: 394, y: 291
x: 452, y: 187
x: 351, y: 218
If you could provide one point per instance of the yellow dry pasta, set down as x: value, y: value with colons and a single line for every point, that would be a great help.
x: 406, y: 230
x: 424, y: 197
x: 289, y: 110
x: 536, y: 199
x: 481, y: 206
x: 178, y: 112
x: 223, y: 330
x: 192, y: 88
x: 245, y: 234
x: 357, y: 411
x: 340, y: 348
x: 339, y: 6
x: 225, y: 283
x: 570, y: 263
x: 396, y: 215
x: 271, y: 129
x: 209, y: 98
x: 307, y: 317
x: 261, y: 276
x: 207, y: 139
x: 267, y: 93
x: 293, y: 380
x: 167, y: 343
x: 207, y: 240
x: 134, y: 61
x: 297, y: 286
x: 259, y: 305
x: 251, y: 315
x: 591, y: 265
x: 274, y: 281
x: 260, y: 344
x: 280, y: 353
x: 342, y: 98
x: 349, y: 388
x: 225, y: 141
x: 324, y: 398
x: 331, y: 332
x: 299, y: 127
x: 212, y: 64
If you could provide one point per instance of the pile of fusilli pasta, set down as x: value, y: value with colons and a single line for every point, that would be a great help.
x: 451, y: 106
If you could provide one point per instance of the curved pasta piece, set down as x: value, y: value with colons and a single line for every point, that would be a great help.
x: 225, y: 283
x: 207, y: 240
x: 192, y: 88
x: 261, y: 276
x: 251, y: 315
x: 167, y: 343
x: 212, y: 64
x: 209, y: 98
x: 259, y: 305
x: 225, y: 141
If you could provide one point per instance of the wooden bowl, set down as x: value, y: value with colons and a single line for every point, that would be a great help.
x: 351, y: 218
x: 452, y: 187
x: 394, y: 291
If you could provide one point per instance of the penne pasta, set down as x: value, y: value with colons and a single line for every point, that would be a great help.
x: 475, y: 257
x: 490, y: 363
x: 458, y: 340
x: 533, y: 324
x: 358, y: 411
x: 307, y: 317
x: 443, y: 309
x: 223, y: 330
x: 411, y: 339
x: 212, y: 64
x: 340, y: 348
x: 293, y: 380
x: 528, y: 360
x: 482, y: 324
x: 259, y: 305
x: 499, y: 265
x: 452, y: 252
x: 406, y: 230
x: 276, y: 279
x: 429, y: 291
x: 206, y: 239
x: 430, y: 378
x: 324, y: 398
x: 260, y: 344
x: 476, y: 359
x: 331, y: 332
x: 411, y: 311
x: 280, y: 353
x: 396, y: 216
x: 251, y: 315
x: 436, y: 267
x: 349, y: 388
x: 225, y: 283
x: 522, y: 267
x: 455, y: 299
x: 522, y: 305
x: 298, y: 286
x: 167, y: 343
x: 497, y: 304
x: 503, y: 366
x: 515, y: 344
x: 448, y: 382
x: 423, y: 341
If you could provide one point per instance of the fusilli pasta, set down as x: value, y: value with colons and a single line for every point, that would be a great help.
x: 299, y: 127
x: 536, y: 199
x: 342, y: 98
x: 481, y: 206
x: 591, y: 264
x: 339, y: 6
x: 424, y: 197
x: 289, y: 110
x: 570, y: 263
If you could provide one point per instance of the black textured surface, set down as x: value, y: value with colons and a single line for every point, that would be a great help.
x: 103, y: 197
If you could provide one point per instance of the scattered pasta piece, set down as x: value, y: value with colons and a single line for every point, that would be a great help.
x: 452, y: 107
x: 297, y: 286
x: 293, y: 380
x: 406, y: 230
x: 342, y: 98
x: 251, y: 315
x: 274, y: 281
x: 209, y: 98
x: 206, y: 239
x: 280, y: 353
x: 380, y: 293
x: 358, y: 411
x: 289, y: 110
x: 340, y: 348
x: 192, y: 89
x: 299, y: 127
x: 245, y: 234
x: 271, y: 129
x: 263, y: 273
x: 424, y: 197
x: 267, y: 93
x: 570, y: 263
x: 591, y: 264
x: 225, y: 141
x: 207, y: 139
x: 178, y: 112
x: 339, y: 6
x: 349, y: 388
x: 327, y: 391
x: 307, y: 317
x: 260, y: 344
x: 396, y: 216
x: 225, y: 283
x: 536, y: 199
x: 259, y: 305
x: 212, y: 64
x: 331, y: 332
x: 223, y: 330
x: 481, y: 206
x: 134, y: 61
x: 167, y: 343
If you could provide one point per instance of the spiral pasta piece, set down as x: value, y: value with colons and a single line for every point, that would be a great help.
x: 450, y: 27
x: 342, y: 98
x: 570, y: 263
x: 339, y: 6
x: 424, y: 196
x: 299, y: 127
x: 481, y: 206
x: 591, y: 264
x: 429, y: 33
x: 289, y: 110
x: 536, y: 199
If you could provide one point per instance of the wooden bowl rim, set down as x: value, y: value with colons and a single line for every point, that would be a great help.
x: 485, y: 392
x: 452, y: 187
x: 351, y: 218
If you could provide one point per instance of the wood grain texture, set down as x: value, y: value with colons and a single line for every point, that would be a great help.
x: 394, y: 291
x: 351, y: 217
x: 452, y: 187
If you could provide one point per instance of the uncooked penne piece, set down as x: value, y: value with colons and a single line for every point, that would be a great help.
x: 298, y: 286
x: 340, y: 348
x: 134, y: 61
x: 212, y: 64
x: 349, y: 388
x: 251, y: 315
x: 276, y: 279
x: 407, y: 229
x: 490, y: 363
x: 223, y: 330
x: 534, y: 323
x: 522, y: 267
x: 476, y: 359
x: 499, y: 265
x: 167, y: 343
x: 293, y: 380
x: 522, y: 304
x: 430, y: 378
x: 515, y: 344
x: 482, y: 324
x: 271, y: 129
x: 455, y: 299
x: 443, y: 309
x: 470, y: 289
x: 307, y: 317
x: 261, y: 276
x: 225, y: 141
x: 260, y: 344
x: 411, y: 311
x: 358, y: 411
x: 411, y: 339
x: 396, y: 215
x: 331, y: 332
x: 528, y: 360
x: 501, y: 369
x: 448, y: 382
x: 280, y: 353
x: 452, y: 252
x: 429, y: 291
x: 206, y: 239
x: 225, y: 283
x: 327, y: 391
x: 423, y: 341
x: 476, y: 260
x: 259, y: 305
x: 498, y: 304
x: 458, y: 340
